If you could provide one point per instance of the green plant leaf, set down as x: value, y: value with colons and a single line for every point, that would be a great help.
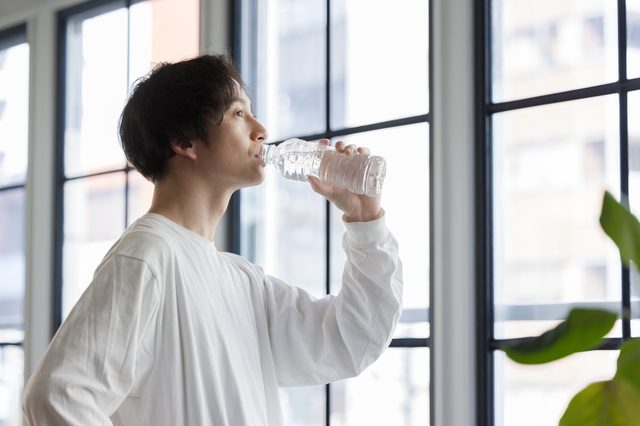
x: 629, y: 363
x: 611, y: 403
x: 582, y: 330
x: 622, y: 227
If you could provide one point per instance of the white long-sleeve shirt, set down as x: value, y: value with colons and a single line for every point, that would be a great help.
x: 173, y: 332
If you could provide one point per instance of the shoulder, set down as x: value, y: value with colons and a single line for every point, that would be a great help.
x: 239, y: 262
x: 142, y: 243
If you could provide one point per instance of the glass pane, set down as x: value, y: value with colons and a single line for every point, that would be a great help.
x: 290, y: 98
x: 535, y: 395
x: 140, y: 196
x: 93, y: 220
x: 162, y: 30
x: 548, y: 46
x: 283, y: 229
x: 14, y: 113
x: 96, y: 88
x: 379, y: 52
x: 634, y: 197
x: 633, y: 38
x: 552, y: 165
x: 12, y: 265
x: 304, y: 406
x: 11, y: 384
x: 393, y: 391
x: 406, y: 150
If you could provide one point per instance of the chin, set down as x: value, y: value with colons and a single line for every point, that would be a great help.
x: 257, y: 181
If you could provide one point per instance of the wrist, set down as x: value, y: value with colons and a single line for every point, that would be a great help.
x: 364, y: 216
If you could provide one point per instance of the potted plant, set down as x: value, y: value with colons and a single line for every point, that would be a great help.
x: 614, y: 402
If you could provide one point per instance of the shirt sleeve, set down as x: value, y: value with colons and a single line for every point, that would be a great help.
x: 90, y: 365
x: 317, y: 341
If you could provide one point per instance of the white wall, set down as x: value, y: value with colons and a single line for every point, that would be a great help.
x: 453, y: 303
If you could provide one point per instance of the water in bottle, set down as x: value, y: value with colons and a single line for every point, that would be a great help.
x: 296, y: 159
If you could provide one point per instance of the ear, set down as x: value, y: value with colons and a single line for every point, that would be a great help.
x: 186, y: 148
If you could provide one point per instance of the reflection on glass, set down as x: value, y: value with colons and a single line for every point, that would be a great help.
x: 14, y: 99
x: 97, y: 73
x: 393, y: 391
x: 552, y: 165
x: 290, y: 99
x: 542, y: 47
x: 96, y: 88
x: 633, y: 38
x: 11, y: 385
x: 379, y: 60
x: 94, y: 219
x: 140, y: 196
x: 303, y: 406
x: 161, y: 31
x: 283, y: 228
x: 12, y: 264
x: 634, y: 195
x: 535, y: 395
x: 405, y: 198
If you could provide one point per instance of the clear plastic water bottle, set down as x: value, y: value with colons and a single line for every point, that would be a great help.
x: 296, y: 159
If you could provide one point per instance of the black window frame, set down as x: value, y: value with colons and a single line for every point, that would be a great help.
x: 247, y: 9
x: 485, y: 108
x: 11, y: 37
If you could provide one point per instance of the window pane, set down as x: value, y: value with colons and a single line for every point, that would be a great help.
x: 14, y: 113
x: 549, y: 46
x: 96, y: 88
x: 552, y: 165
x: 304, y: 406
x: 406, y: 150
x: 12, y: 265
x: 633, y: 38
x: 11, y: 384
x: 93, y: 220
x: 162, y: 30
x: 379, y: 52
x: 290, y: 96
x: 535, y: 395
x: 140, y: 196
x: 283, y: 228
x: 634, y: 198
x: 393, y: 391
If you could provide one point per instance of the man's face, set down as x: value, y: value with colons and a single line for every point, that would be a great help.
x: 232, y: 158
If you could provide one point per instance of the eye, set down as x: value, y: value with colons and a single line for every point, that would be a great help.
x: 240, y: 113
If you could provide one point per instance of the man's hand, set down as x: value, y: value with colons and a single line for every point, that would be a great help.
x: 356, y: 208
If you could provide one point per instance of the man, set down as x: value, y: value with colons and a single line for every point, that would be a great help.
x: 173, y: 332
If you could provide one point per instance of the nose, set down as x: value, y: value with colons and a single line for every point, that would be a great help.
x: 259, y: 133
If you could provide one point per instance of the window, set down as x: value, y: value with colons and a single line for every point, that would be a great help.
x: 343, y: 70
x: 105, y: 47
x: 14, y: 115
x: 561, y: 91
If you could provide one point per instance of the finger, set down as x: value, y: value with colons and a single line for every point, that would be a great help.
x: 325, y: 142
x: 317, y: 186
x: 364, y: 150
x: 350, y: 149
x: 339, y: 146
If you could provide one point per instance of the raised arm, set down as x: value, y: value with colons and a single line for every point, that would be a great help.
x: 319, y: 341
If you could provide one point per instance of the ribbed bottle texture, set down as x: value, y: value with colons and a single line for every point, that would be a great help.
x: 296, y: 159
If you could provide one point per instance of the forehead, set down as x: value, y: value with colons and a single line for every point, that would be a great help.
x: 242, y: 99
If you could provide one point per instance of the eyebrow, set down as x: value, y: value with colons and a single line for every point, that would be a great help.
x: 243, y: 102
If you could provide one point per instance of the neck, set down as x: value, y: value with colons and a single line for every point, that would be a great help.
x: 190, y: 204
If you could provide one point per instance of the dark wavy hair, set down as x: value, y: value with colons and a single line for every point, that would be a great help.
x: 175, y: 101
